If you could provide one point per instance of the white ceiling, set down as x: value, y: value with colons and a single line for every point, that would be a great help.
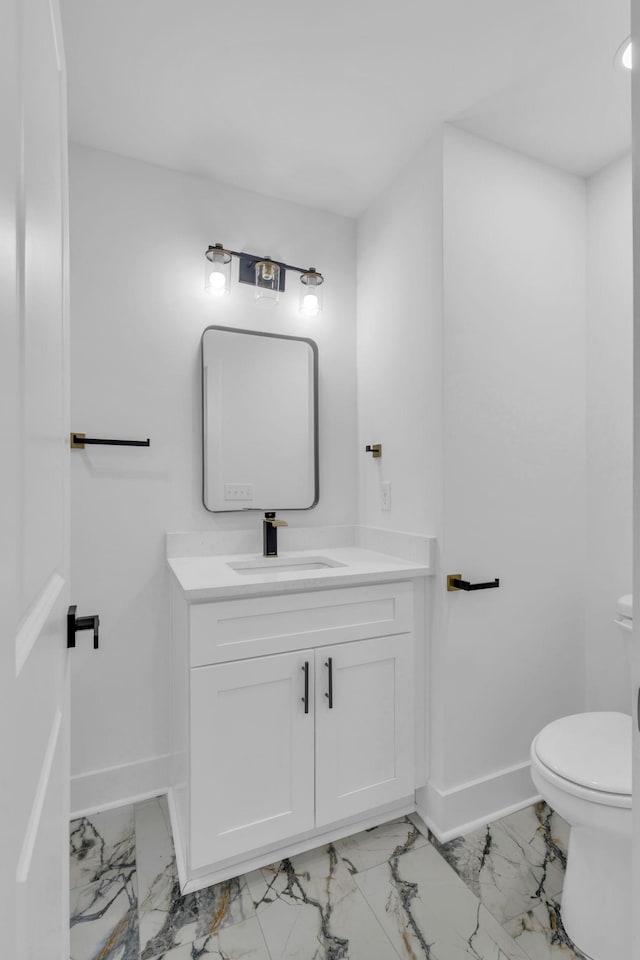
x: 323, y: 103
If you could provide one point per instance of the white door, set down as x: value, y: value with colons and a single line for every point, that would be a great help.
x: 34, y: 551
x: 251, y: 754
x: 635, y: 109
x: 364, y: 726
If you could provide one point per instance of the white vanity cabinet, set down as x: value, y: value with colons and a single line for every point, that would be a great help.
x: 293, y: 720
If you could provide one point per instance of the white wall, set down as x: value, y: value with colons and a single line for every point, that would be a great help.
x: 609, y: 431
x: 138, y: 235
x: 512, y: 659
x: 400, y: 348
x: 483, y: 330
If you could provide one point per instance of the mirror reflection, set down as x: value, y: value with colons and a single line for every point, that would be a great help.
x: 260, y: 422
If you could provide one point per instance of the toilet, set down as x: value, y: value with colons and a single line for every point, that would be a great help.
x: 581, y: 765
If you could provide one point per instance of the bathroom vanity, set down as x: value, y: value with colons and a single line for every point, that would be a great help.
x: 297, y: 703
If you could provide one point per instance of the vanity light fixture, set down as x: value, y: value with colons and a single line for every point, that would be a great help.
x: 266, y: 275
x: 217, y: 271
x: 624, y: 55
x: 311, y: 293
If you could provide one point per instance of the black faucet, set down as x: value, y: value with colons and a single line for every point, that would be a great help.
x: 270, y: 533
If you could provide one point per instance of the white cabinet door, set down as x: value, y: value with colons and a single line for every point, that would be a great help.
x: 364, y: 726
x: 252, y: 758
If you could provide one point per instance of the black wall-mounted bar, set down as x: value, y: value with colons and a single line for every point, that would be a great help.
x: 78, y: 441
x: 455, y: 583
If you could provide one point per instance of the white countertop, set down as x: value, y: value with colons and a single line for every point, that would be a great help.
x: 211, y: 577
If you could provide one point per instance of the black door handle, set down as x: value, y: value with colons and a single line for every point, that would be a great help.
x: 81, y: 623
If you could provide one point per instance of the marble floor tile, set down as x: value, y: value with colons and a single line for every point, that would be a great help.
x: 104, y: 919
x: 507, y: 874
x: 154, y: 840
x: 101, y: 843
x: 541, y: 934
x: 166, y: 917
x: 242, y: 941
x: 375, y: 846
x: 310, y: 908
x: 389, y: 892
x: 544, y: 829
x: 429, y: 913
x: 157, y: 873
x: 170, y: 919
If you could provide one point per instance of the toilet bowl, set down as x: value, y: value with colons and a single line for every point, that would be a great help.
x: 581, y: 765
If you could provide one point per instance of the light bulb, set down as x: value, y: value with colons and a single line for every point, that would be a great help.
x: 310, y: 304
x: 217, y: 281
x: 627, y: 56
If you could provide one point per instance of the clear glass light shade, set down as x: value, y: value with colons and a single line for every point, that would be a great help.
x: 311, y: 293
x: 217, y: 271
x: 267, y: 282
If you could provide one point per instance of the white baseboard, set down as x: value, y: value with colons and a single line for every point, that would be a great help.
x: 113, y: 786
x: 458, y: 810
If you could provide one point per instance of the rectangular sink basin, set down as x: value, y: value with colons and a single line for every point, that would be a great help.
x: 282, y: 564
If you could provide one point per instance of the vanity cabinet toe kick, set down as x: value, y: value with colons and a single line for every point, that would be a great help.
x: 292, y: 721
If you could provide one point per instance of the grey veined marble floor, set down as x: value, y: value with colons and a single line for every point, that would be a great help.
x: 389, y: 892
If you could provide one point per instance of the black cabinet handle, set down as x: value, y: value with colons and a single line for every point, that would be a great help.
x: 305, y: 699
x: 329, y: 694
x: 81, y: 623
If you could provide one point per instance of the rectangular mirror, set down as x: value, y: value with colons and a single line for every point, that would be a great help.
x: 260, y: 421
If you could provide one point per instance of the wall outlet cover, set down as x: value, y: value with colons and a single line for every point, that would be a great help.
x: 238, y: 491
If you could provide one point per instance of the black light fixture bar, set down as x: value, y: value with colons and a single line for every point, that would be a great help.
x: 247, y: 267
x: 253, y: 259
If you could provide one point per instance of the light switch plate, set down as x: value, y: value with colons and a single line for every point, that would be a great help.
x: 385, y: 495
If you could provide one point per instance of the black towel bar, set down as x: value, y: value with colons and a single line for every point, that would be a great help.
x: 454, y: 582
x: 78, y: 441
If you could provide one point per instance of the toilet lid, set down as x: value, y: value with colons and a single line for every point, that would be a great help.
x: 592, y: 749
